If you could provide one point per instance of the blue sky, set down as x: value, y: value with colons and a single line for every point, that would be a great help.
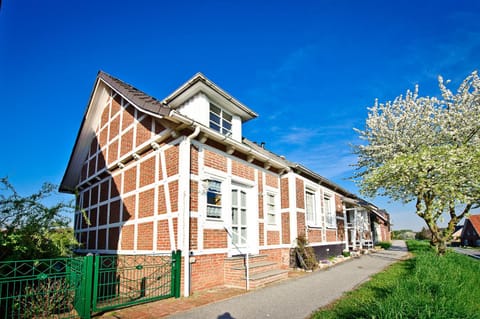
x: 309, y: 69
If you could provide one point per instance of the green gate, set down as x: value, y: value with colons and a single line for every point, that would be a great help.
x: 124, y: 280
x: 76, y: 287
x: 81, y: 272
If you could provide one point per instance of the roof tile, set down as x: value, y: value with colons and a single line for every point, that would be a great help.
x: 475, y: 221
x: 134, y: 95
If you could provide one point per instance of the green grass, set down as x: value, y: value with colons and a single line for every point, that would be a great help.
x: 425, y: 286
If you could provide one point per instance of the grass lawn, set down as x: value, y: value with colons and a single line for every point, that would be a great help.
x: 424, y: 286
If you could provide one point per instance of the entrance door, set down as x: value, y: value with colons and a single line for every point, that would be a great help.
x: 239, y: 218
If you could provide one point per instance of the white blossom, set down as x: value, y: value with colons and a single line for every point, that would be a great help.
x: 424, y: 149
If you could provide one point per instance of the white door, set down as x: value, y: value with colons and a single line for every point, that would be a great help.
x: 239, y: 218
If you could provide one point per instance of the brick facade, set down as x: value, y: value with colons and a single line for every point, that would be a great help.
x: 118, y: 201
x: 139, y: 196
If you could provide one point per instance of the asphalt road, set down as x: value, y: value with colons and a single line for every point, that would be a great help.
x: 298, y: 298
x: 468, y: 252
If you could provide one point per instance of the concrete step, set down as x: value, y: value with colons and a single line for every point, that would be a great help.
x: 267, y: 274
x: 267, y: 277
x: 252, y: 265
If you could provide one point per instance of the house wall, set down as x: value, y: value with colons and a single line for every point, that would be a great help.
x: 380, y: 229
x: 134, y: 209
x: 316, y: 234
x: 328, y: 250
x: 213, y: 243
x: 385, y: 232
x: 131, y: 192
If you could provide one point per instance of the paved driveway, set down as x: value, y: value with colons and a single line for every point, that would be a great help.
x: 298, y: 298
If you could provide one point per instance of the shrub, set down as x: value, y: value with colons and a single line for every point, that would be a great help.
x: 46, y: 298
x: 385, y: 244
x: 31, y: 227
x: 424, y: 234
x: 305, y: 254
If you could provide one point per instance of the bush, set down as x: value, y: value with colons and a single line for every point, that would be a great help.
x: 305, y: 255
x: 46, y: 298
x: 32, y: 229
x: 385, y: 244
x: 424, y: 234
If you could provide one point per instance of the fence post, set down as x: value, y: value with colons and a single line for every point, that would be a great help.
x: 86, y: 288
x: 176, y: 272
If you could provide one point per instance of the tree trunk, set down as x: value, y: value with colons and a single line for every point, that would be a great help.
x: 442, y: 247
x: 439, y: 245
x: 439, y: 239
x: 440, y: 236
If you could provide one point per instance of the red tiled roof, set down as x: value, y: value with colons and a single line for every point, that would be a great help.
x: 475, y: 221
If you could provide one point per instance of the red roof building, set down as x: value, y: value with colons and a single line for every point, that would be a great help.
x: 471, y: 231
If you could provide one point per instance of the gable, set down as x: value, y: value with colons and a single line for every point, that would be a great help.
x: 120, y: 130
x: 104, y: 88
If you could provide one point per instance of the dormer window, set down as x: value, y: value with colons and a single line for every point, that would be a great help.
x: 220, y: 120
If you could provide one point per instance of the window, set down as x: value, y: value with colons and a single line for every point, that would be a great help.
x: 311, y: 209
x: 271, y: 220
x: 220, y: 120
x: 214, y: 199
x: 329, y: 211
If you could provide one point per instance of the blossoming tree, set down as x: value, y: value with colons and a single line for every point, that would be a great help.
x: 425, y: 150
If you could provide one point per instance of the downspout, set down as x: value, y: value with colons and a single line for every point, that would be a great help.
x: 186, y: 210
x: 345, y: 226
x: 354, y: 235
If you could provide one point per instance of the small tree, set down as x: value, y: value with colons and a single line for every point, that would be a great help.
x: 425, y: 150
x: 30, y: 229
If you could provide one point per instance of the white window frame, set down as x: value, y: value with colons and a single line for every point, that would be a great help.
x: 215, y: 206
x: 224, y: 122
x: 271, y: 208
x: 329, y: 210
x: 314, y: 218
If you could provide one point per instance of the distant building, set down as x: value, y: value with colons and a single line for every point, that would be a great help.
x: 456, y: 236
x: 471, y: 231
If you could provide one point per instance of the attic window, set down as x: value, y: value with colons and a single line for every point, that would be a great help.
x: 220, y: 120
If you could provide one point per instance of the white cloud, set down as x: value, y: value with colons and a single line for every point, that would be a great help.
x: 299, y: 135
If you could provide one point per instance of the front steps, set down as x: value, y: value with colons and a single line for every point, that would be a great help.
x: 261, y: 272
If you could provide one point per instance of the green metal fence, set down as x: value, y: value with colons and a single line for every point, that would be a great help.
x: 38, y: 288
x: 76, y: 287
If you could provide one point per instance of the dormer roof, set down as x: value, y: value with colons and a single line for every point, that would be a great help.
x: 199, y: 83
